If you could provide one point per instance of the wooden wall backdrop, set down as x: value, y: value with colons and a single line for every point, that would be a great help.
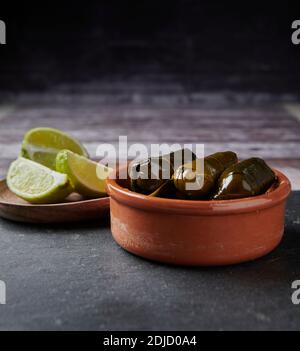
x: 251, y: 127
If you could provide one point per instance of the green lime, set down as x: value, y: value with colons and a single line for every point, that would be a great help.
x: 43, y: 144
x: 87, y: 177
x: 36, y: 183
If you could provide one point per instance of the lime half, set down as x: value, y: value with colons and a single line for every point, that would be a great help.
x: 43, y: 144
x: 87, y: 177
x: 36, y: 183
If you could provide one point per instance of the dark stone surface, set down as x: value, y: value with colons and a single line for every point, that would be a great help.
x: 77, y: 278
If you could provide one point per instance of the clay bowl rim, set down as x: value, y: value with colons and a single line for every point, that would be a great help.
x: 202, y: 207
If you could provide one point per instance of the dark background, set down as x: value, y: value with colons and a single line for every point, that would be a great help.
x: 200, y: 44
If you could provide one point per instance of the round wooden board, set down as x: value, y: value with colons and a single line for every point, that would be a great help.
x: 75, y: 209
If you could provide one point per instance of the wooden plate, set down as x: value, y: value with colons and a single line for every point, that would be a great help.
x: 75, y: 209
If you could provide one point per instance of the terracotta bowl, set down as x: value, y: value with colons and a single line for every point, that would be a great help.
x: 198, y: 233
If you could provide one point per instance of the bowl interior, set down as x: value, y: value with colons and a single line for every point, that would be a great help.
x: 281, y: 180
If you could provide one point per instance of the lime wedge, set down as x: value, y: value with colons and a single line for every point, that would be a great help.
x: 43, y: 144
x: 36, y: 183
x: 87, y: 177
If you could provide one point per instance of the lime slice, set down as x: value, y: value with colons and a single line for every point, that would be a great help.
x: 43, y: 144
x: 87, y: 177
x: 36, y: 183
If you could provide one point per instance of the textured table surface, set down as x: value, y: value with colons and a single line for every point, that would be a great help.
x: 78, y: 278
x: 251, y: 125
